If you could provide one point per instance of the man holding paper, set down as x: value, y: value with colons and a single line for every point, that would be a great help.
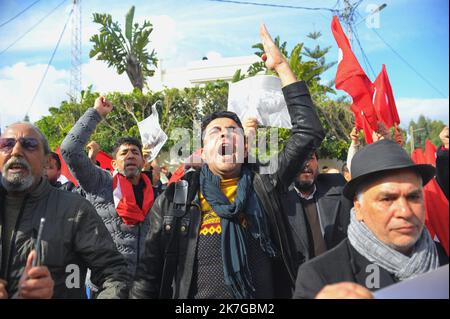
x: 123, y: 200
x: 220, y: 233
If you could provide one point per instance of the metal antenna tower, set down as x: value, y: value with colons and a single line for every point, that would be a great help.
x: 75, y: 71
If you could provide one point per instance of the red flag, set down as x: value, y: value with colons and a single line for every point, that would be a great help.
x: 430, y: 153
x: 64, y: 169
x: 351, y: 78
x: 418, y: 157
x: 362, y: 124
x: 384, y: 101
x: 436, y: 204
x: 104, y: 160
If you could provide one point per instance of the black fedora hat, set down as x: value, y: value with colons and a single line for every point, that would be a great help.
x: 377, y: 160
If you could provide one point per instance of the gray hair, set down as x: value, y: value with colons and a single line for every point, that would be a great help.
x: 43, y: 138
x: 361, y: 189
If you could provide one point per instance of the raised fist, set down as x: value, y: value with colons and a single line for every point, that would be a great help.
x: 102, y: 106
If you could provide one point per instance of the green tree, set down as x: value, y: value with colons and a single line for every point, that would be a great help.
x: 126, y: 52
x: 424, y: 129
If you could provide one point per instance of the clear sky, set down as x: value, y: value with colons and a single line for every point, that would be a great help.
x: 188, y: 30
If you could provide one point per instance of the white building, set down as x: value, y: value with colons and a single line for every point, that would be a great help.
x: 200, y: 72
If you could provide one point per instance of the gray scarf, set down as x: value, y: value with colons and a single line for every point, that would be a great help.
x: 424, y: 257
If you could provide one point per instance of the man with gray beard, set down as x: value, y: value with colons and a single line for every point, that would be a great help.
x: 73, y: 237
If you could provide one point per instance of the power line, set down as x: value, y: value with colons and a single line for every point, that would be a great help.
x: 408, y: 64
x: 274, y: 5
x: 365, y: 58
x: 20, y: 13
x: 49, y: 62
x: 32, y: 28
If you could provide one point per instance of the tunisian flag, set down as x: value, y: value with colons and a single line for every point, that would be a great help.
x: 351, y: 78
x: 383, y: 100
x: 103, y: 158
x: 436, y: 204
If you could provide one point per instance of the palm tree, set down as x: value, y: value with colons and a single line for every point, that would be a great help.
x: 125, y: 52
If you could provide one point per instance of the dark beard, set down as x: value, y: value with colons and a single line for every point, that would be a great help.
x: 304, y: 187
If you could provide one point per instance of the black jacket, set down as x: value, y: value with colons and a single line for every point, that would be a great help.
x: 333, y: 210
x: 307, y: 134
x: 342, y: 263
x: 442, y: 169
x: 73, y: 235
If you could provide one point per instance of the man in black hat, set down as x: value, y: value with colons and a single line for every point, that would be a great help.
x: 387, y: 241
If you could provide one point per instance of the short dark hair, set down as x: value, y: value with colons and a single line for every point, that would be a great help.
x: 217, y: 115
x: 128, y: 140
x: 57, y: 160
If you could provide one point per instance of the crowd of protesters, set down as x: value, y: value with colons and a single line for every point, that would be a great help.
x: 220, y: 229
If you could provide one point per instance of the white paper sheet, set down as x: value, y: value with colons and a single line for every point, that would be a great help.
x: 432, y: 285
x: 152, y: 134
x: 261, y: 97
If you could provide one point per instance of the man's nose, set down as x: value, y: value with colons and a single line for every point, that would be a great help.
x: 403, y: 208
x: 17, y: 149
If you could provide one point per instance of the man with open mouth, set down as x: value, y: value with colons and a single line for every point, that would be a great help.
x: 220, y: 232
x: 72, y: 235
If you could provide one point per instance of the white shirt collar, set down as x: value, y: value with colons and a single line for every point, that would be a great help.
x: 309, y: 197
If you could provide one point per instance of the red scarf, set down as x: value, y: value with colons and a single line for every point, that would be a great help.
x: 125, y: 201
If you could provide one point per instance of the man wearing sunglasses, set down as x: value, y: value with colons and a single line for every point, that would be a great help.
x: 73, y: 238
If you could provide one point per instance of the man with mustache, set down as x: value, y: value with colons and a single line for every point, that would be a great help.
x: 123, y: 200
x: 387, y: 241
x: 220, y: 232
x: 318, y: 213
x: 73, y: 237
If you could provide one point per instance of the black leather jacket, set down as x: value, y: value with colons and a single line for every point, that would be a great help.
x: 307, y: 135
x: 74, y: 239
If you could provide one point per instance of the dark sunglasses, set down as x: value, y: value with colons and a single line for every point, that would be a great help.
x: 28, y: 143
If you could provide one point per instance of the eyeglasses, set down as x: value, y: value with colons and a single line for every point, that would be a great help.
x: 28, y: 143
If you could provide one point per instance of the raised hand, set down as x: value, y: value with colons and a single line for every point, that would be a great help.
x: 444, y: 137
x: 36, y: 282
x: 103, y: 106
x: 354, y: 136
x: 274, y: 59
x: 344, y: 290
x: 3, y: 292
x: 93, y: 149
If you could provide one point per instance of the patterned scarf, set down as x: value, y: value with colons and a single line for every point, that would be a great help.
x: 424, y: 257
x: 237, y: 274
x: 125, y: 201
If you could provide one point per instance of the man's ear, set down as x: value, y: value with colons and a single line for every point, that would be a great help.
x: 46, y: 162
x: 114, y: 163
x: 357, y: 207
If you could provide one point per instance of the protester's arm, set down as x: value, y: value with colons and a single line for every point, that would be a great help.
x: 307, y: 131
x: 89, y: 176
x: 93, y: 243
x: 147, y: 281
x: 354, y: 147
x: 442, y: 157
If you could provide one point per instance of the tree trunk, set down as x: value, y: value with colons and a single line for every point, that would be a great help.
x: 134, y: 72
